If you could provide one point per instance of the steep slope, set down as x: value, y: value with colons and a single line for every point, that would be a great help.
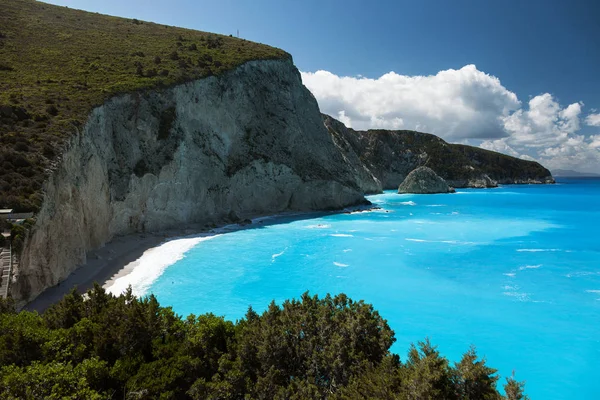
x: 111, y: 126
x: 57, y: 64
x: 391, y: 155
x: 247, y: 143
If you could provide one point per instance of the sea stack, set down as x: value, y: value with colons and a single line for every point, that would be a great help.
x: 424, y: 180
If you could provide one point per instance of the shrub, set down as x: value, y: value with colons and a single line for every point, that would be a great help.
x: 52, y: 110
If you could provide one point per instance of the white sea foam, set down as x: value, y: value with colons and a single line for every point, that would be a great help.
x: 151, y: 265
x: 439, y: 241
x: 523, y: 268
x: 347, y: 250
x: 274, y: 256
x: 435, y: 205
x: 511, y: 274
x: 408, y: 203
x: 536, y: 250
x: 517, y: 295
x: 581, y: 273
x: 319, y: 226
x: 593, y: 291
x: 339, y: 264
x: 341, y: 235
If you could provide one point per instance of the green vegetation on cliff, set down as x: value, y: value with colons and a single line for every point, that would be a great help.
x: 56, y: 64
x: 397, y: 152
x: 101, y: 346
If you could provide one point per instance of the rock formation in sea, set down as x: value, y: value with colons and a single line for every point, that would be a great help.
x: 424, y: 180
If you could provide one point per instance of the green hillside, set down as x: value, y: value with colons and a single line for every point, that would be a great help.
x: 56, y: 64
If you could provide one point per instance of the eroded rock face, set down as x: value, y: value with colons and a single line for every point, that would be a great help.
x: 251, y: 142
x: 424, y: 180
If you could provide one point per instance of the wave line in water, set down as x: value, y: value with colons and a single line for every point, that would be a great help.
x: 523, y: 268
x: 536, y: 250
x: 339, y: 264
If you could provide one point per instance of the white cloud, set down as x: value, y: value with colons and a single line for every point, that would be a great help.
x: 593, y: 120
x: 463, y: 105
x: 455, y: 104
x: 548, y: 133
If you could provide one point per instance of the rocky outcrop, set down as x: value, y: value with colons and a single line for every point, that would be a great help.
x: 424, y: 180
x: 250, y: 142
x: 391, y: 155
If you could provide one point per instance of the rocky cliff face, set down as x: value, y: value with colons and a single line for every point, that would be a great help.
x: 247, y: 143
x: 389, y: 156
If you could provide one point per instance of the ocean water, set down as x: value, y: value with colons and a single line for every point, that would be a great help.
x: 513, y: 270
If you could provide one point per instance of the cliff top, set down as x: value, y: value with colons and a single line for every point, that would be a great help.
x: 57, y: 64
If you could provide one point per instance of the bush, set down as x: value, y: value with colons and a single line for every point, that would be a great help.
x: 52, y: 110
x: 311, y: 348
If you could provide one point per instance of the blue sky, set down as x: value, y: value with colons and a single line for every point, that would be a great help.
x: 534, y: 48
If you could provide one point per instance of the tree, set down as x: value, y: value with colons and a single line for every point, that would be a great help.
x: 473, y: 379
x: 427, y: 374
x: 514, y: 389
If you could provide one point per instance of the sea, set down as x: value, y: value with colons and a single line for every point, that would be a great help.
x: 514, y: 271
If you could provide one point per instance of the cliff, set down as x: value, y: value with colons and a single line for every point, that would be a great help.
x: 390, y: 156
x: 155, y: 127
x: 247, y: 143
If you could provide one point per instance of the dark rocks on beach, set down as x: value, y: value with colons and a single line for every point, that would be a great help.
x: 424, y: 180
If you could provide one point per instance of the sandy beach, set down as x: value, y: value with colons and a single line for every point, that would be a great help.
x: 111, y: 262
x: 120, y: 257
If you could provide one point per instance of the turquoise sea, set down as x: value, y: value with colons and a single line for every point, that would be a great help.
x: 513, y: 270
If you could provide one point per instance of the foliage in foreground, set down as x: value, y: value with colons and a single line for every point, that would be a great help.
x: 56, y: 64
x: 100, y: 346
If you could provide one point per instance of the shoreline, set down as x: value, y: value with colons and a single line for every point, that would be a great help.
x: 119, y: 258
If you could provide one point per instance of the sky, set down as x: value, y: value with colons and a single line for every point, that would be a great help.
x: 520, y: 77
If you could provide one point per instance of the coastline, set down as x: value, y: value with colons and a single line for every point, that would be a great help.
x: 112, y: 265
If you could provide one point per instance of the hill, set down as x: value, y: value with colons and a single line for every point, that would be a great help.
x: 57, y: 64
x: 390, y: 155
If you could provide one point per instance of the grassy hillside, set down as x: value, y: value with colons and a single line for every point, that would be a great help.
x: 56, y: 64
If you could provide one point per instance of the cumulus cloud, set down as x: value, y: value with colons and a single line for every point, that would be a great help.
x: 593, y: 120
x: 547, y: 132
x: 464, y: 105
x: 455, y: 104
